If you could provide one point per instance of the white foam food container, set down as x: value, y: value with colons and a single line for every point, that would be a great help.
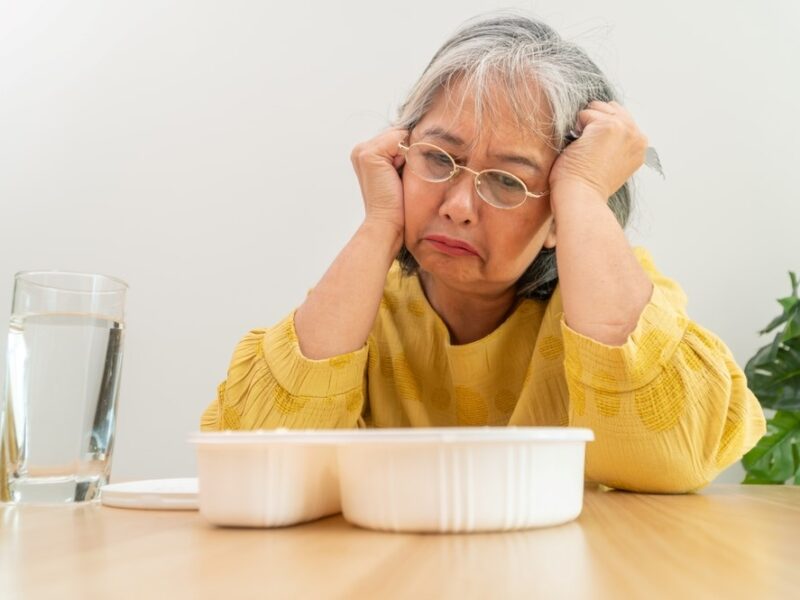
x: 454, y: 479
x: 463, y: 479
x: 265, y: 478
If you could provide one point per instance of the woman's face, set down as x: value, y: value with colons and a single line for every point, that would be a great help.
x: 505, y: 241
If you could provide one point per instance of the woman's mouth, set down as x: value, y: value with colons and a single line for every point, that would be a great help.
x: 451, y: 246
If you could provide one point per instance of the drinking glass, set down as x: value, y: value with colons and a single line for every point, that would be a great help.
x: 63, y: 365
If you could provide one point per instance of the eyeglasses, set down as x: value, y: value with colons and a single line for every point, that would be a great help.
x: 501, y: 189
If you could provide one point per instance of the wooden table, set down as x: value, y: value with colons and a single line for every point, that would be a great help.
x: 728, y: 541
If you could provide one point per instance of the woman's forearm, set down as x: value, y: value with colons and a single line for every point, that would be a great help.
x: 604, y: 289
x: 339, y: 312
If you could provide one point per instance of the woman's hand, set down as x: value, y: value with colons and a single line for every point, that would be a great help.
x: 338, y: 314
x: 376, y: 163
x: 604, y: 288
x: 610, y: 149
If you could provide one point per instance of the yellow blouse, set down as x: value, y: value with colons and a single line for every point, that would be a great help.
x: 670, y: 408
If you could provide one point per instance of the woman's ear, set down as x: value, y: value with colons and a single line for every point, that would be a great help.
x: 550, y: 240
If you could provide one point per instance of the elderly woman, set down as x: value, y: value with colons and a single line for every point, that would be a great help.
x: 491, y: 283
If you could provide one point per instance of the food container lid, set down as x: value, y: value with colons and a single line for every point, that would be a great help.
x: 405, y: 435
x: 161, y: 494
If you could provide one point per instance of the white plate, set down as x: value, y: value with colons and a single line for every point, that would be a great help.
x: 158, y: 494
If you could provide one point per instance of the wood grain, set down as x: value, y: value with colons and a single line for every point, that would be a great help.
x: 728, y: 541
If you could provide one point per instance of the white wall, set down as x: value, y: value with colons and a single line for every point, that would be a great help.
x: 200, y: 151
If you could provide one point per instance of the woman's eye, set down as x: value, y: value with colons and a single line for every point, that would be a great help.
x: 509, y: 182
x: 439, y: 157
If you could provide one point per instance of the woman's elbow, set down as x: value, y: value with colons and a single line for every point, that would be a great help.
x: 666, y: 474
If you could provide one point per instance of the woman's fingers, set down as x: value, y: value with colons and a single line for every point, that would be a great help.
x: 612, y: 108
x: 384, y: 146
x: 600, y: 106
x: 376, y: 164
x: 590, y: 115
x: 388, y: 143
x: 610, y: 149
x: 611, y: 112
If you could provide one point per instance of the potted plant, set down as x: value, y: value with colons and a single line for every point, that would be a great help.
x: 773, y: 375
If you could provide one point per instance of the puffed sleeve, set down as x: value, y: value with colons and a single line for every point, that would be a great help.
x: 270, y: 384
x: 670, y: 408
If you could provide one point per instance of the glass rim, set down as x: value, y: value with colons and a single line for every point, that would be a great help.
x: 25, y: 276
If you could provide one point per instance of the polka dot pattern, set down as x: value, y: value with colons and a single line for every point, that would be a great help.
x: 551, y: 347
x: 405, y: 380
x: 386, y: 365
x: 505, y: 401
x: 471, y: 408
x: 608, y: 404
x: 339, y: 362
x: 661, y: 406
x: 353, y: 401
x: 287, y: 404
x: 577, y: 398
x: 388, y: 304
x: 604, y: 380
x: 649, y: 352
x: 416, y: 307
x: 663, y: 390
x: 440, y: 399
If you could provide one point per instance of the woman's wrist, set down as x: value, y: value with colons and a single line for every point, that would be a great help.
x: 339, y: 312
x: 383, y: 235
x: 604, y: 288
x: 574, y: 195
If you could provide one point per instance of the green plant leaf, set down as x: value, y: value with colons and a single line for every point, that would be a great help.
x: 792, y: 313
x: 777, y: 321
x: 776, y: 456
x: 788, y: 303
x: 773, y: 374
x: 763, y: 357
x: 754, y: 479
x: 791, y: 331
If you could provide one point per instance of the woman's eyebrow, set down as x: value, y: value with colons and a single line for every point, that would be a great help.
x: 520, y: 160
x: 451, y: 138
x: 440, y: 133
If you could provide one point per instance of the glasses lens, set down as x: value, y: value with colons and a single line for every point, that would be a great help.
x: 429, y: 162
x: 501, y: 189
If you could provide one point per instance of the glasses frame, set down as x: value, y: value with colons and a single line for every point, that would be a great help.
x: 476, y: 176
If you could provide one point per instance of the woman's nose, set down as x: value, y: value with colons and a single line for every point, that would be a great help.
x: 460, y: 203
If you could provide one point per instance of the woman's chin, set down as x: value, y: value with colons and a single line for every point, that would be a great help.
x: 449, y: 269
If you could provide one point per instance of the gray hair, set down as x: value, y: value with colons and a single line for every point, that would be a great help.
x: 504, y: 50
